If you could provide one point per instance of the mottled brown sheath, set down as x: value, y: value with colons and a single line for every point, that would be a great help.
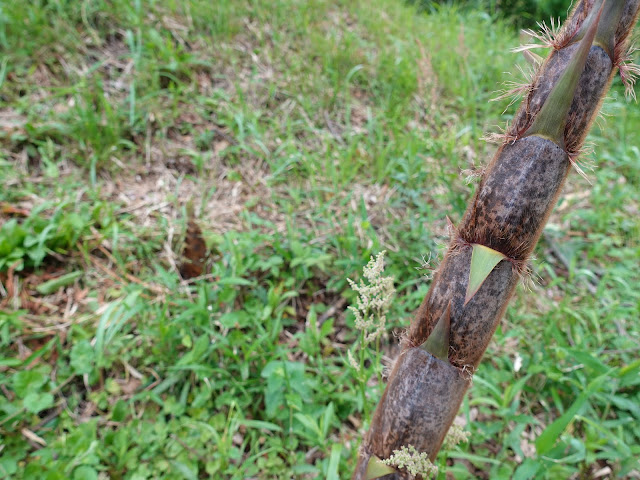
x: 405, y: 414
x: 515, y: 197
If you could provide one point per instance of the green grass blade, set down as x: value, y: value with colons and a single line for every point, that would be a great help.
x: 334, y: 462
x: 47, y: 288
x: 548, y: 437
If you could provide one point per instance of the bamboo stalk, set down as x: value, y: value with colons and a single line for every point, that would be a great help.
x: 505, y: 219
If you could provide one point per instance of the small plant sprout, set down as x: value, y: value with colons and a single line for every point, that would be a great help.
x: 415, y: 462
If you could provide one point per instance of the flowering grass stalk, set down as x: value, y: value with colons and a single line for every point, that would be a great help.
x: 415, y: 462
x: 375, y: 296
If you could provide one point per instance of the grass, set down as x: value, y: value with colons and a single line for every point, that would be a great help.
x: 302, y: 137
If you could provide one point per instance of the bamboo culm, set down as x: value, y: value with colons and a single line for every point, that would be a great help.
x: 506, y: 216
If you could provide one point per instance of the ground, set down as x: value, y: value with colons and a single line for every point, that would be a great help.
x: 188, y: 186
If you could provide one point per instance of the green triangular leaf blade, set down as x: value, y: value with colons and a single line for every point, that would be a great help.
x: 483, y: 261
x: 437, y: 343
x: 377, y: 469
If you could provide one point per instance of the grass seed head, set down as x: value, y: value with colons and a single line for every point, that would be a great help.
x: 455, y: 436
x: 374, y: 298
x: 416, y: 463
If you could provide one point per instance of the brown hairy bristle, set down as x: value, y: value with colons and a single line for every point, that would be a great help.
x: 499, y: 241
x: 472, y: 174
x: 516, y: 90
x: 406, y: 342
x: 549, y: 36
x: 427, y: 265
x: 576, y: 151
x: 578, y: 164
x: 456, y: 242
x: 504, y: 137
x: 521, y: 268
x: 629, y: 71
x: 467, y: 371
x: 528, y: 278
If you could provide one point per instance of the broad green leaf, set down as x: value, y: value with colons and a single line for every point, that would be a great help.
x: 235, y: 319
x: 589, y: 360
x: 629, y: 372
x: 9, y: 463
x: 309, y: 423
x: 82, y: 357
x: 119, y: 411
x: 437, y: 343
x: 527, y: 469
x: 28, y: 381
x: 474, y: 458
x: 306, y: 469
x: 184, y: 470
x: 483, y: 261
x: 327, y: 418
x: 36, y: 402
x: 609, y: 430
x: 286, y: 382
x: 625, y: 404
x: 377, y: 469
x: 85, y: 472
x: 235, y: 281
x: 197, y: 354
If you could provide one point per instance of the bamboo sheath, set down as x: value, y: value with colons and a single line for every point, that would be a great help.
x: 512, y: 203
